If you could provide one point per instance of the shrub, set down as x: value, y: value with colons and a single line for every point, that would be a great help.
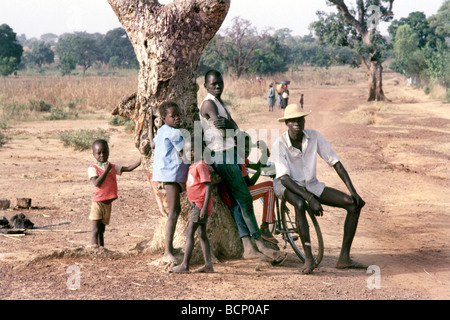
x: 82, y: 139
x: 127, y: 124
x: 3, y: 139
x: 40, y: 105
x: 56, y: 114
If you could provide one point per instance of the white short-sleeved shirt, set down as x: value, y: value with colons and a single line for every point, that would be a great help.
x: 167, y: 163
x: 301, y: 165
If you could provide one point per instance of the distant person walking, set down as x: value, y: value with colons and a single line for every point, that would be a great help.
x: 284, y: 97
x: 271, y: 97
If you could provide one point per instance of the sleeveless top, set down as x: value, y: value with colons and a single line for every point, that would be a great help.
x: 108, y: 189
x: 212, y: 136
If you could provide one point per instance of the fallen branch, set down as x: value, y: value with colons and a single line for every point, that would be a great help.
x: 57, y: 230
x: 14, y: 236
x: 54, y: 225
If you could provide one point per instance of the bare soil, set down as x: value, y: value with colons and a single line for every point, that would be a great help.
x: 399, y: 165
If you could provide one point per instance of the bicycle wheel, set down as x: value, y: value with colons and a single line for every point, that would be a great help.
x: 276, y: 224
x: 292, y: 232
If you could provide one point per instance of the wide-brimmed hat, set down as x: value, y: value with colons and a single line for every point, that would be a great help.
x: 293, y: 111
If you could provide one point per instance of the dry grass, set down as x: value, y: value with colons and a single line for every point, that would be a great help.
x: 366, y: 114
x: 96, y: 93
x: 89, y: 93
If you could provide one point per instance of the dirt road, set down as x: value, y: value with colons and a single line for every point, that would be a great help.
x: 399, y: 165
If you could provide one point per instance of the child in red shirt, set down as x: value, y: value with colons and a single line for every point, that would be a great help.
x: 198, y: 188
x: 103, y: 175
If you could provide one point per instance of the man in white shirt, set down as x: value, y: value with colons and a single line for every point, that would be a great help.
x: 295, y: 155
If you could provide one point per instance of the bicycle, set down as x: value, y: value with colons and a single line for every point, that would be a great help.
x: 284, y: 224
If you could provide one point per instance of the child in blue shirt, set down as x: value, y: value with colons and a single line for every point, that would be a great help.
x: 169, y: 169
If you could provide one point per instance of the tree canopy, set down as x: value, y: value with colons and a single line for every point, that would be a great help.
x: 10, y: 50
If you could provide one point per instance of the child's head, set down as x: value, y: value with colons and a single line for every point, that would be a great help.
x: 244, y: 145
x: 100, y: 150
x: 171, y: 114
x: 195, y: 147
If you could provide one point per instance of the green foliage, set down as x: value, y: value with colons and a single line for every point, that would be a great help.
x: 57, y: 114
x: 419, y: 25
x: 10, y: 51
x: 3, y: 137
x: 419, y: 45
x: 39, y: 106
x: 41, y: 53
x: 117, y: 49
x: 67, y: 62
x: 8, y: 65
x: 438, y: 62
x: 409, y: 59
x: 440, y: 21
x: 80, y: 49
x: 82, y: 139
x: 122, y: 121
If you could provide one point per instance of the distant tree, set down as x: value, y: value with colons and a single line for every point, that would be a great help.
x: 67, y: 63
x: 356, y: 28
x: 41, y: 53
x: 438, y: 62
x: 438, y: 57
x: 49, y: 38
x: 440, y: 21
x: 210, y: 59
x: 117, y: 44
x: 81, y: 47
x: 10, y: 50
x: 237, y: 47
x: 409, y: 59
x: 419, y: 24
x: 270, y: 57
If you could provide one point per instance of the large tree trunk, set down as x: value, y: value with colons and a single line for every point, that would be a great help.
x: 376, y: 83
x: 168, y: 41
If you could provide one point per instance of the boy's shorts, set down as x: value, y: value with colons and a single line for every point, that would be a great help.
x: 101, y: 211
x: 181, y: 185
x: 195, y: 215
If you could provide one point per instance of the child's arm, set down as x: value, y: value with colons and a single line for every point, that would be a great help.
x: 150, y: 133
x: 132, y: 167
x: 251, y: 181
x: 204, y: 210
x: 97, y: 181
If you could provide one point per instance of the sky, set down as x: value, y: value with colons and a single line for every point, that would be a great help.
x: 36, y: 17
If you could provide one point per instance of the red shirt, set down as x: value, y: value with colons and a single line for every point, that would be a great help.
x: 195, y: 184
x: 108, y: 189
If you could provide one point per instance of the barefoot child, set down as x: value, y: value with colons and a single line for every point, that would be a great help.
x: 169, y: 170
x: 103, y: 175
x: 199, y: 194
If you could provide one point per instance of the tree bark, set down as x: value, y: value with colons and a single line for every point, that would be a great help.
x: 376, y: 92
x: 168, y: 41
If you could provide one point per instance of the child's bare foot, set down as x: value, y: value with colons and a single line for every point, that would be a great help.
x: 204, y: 269
x: 180, y: 269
